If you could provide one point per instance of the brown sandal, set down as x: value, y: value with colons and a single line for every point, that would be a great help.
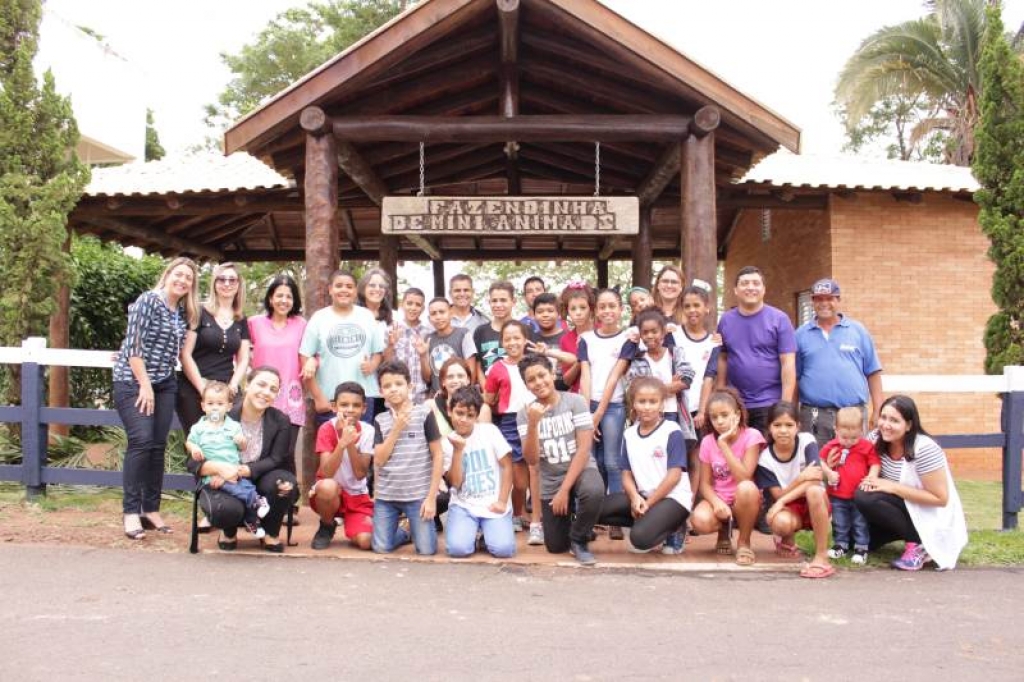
x: 745, y: 557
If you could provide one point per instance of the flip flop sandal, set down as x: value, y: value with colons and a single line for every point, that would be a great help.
x: 745, y: 557
x: 814, y: 571
x: 787, y: 549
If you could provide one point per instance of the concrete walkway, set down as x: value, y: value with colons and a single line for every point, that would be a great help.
x: 98, y: 614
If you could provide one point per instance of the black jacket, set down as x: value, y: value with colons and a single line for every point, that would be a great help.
x: 276, y: 436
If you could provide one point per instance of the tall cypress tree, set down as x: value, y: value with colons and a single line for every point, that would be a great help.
x: 999, y: 167
x: 41, y: 179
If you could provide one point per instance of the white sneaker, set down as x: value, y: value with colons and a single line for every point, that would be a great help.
x: 860, y: 557
x: 517, y: 524
x: 262, y: 507
x: 536, y: 534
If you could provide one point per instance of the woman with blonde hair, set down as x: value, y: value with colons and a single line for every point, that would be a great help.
x: 217, y: 347
x: 145, y: 387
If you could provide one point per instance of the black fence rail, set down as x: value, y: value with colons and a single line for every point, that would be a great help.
x: 35, y: 417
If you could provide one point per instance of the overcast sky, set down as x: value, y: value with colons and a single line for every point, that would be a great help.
x: 784, y: 53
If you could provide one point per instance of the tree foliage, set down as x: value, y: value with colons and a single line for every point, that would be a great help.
x: 999, y: 167
x: 931, y: 61
x: 108, y: 281
x: 40, y: 179
x: 293, y: 44
x: 889, y: 124
x: 154, y: 150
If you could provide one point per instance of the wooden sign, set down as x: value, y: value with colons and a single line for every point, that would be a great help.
x: 510, y: 215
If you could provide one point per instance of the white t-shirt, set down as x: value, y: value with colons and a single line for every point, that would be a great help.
x: 697, y: 354
x: 662, y: 371
x: 602, y: 352
x: 481, y: 482
x: 650, y: 457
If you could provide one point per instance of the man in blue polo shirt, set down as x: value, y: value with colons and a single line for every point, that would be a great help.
x: 836, y: 365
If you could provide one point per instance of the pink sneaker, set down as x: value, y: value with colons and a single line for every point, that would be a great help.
x: 914, y: 558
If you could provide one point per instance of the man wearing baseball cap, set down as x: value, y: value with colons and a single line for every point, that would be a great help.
x: 836, y: 365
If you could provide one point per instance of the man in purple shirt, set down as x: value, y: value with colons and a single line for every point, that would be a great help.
x: 758, y: 354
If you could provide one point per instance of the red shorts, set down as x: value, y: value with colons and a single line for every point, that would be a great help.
x: 803, y: 512
x: 356, y: 512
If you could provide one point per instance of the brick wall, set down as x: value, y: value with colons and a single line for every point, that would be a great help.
x: 916, y: 275
x: 797, y: 252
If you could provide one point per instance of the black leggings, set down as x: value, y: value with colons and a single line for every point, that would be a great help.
x: 887, y: 516
x: 664, y: 518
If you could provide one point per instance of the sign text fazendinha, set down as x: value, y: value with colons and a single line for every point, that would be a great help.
x: 509, y: 214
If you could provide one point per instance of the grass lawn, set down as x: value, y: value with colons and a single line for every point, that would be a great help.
x: 89, y: 498
x: 988, y: 546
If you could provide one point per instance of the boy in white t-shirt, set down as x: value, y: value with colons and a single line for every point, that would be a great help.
x: 480, y: 476
x: 345, y: 448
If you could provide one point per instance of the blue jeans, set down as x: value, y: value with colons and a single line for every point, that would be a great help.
x: 607, y: 449
x: 143, y: 470
x: 460, y: 534
x: 846, y: 521
x: 244, y: 491
x: 387, y: 536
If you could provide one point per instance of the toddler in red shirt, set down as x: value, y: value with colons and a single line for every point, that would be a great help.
x: 845, y: 461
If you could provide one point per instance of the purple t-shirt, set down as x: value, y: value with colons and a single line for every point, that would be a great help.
x: 754, y: 344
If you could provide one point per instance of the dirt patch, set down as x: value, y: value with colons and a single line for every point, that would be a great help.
x: 30, y: 523
x: 97, y: 523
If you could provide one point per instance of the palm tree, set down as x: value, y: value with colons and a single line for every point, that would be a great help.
x: 932, y: 59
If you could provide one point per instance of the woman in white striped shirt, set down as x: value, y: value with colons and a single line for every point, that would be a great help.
x: 914, y: 499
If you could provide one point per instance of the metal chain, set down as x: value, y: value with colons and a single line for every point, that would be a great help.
x: 422, y: 170
x: 597, y: 169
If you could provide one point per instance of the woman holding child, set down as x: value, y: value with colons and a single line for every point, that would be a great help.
x: 263, y: 460
x: 914, y: 499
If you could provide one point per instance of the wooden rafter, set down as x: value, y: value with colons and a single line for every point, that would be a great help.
x: 156, y: 239
x: 565, y: 128
x: 350, y: 228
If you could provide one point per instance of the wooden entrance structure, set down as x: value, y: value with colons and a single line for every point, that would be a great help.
x: 509, y: 97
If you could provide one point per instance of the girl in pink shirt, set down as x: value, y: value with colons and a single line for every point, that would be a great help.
x: 275, y: 343
x: 728, y: 459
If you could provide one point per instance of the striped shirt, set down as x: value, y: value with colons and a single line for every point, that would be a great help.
x: 928, y: 457
x: 155, y: 333
x: 406, y: 476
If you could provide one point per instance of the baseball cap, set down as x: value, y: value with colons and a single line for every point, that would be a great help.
x: 825, y: 287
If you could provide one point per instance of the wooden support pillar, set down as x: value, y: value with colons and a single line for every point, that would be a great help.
x: 699, y: 217
x: 642, y: 275
x: 438, y: 269
x: 60, y: 337
x: 388, y: 261
x: 602, y: 273
x: 321, y: 196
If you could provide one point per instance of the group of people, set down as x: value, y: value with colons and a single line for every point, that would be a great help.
x: 593, y: 411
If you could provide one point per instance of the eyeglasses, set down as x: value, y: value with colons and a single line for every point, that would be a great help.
x: 375, y: 285
x: 226, y: 280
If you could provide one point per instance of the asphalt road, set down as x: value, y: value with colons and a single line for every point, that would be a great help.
x: 90, y: 614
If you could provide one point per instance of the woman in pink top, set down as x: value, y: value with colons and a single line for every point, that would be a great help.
x: 275, y: 339
x: 728, y: 459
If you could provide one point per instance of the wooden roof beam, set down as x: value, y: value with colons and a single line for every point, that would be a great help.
x: 508, y: 89
x: 544, y: 128
x: 705, y: 121
x: 157, y: 240
x: 355, y: 166
x: 350, y: 228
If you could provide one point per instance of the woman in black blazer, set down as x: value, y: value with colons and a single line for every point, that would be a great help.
x: 264, y: 460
